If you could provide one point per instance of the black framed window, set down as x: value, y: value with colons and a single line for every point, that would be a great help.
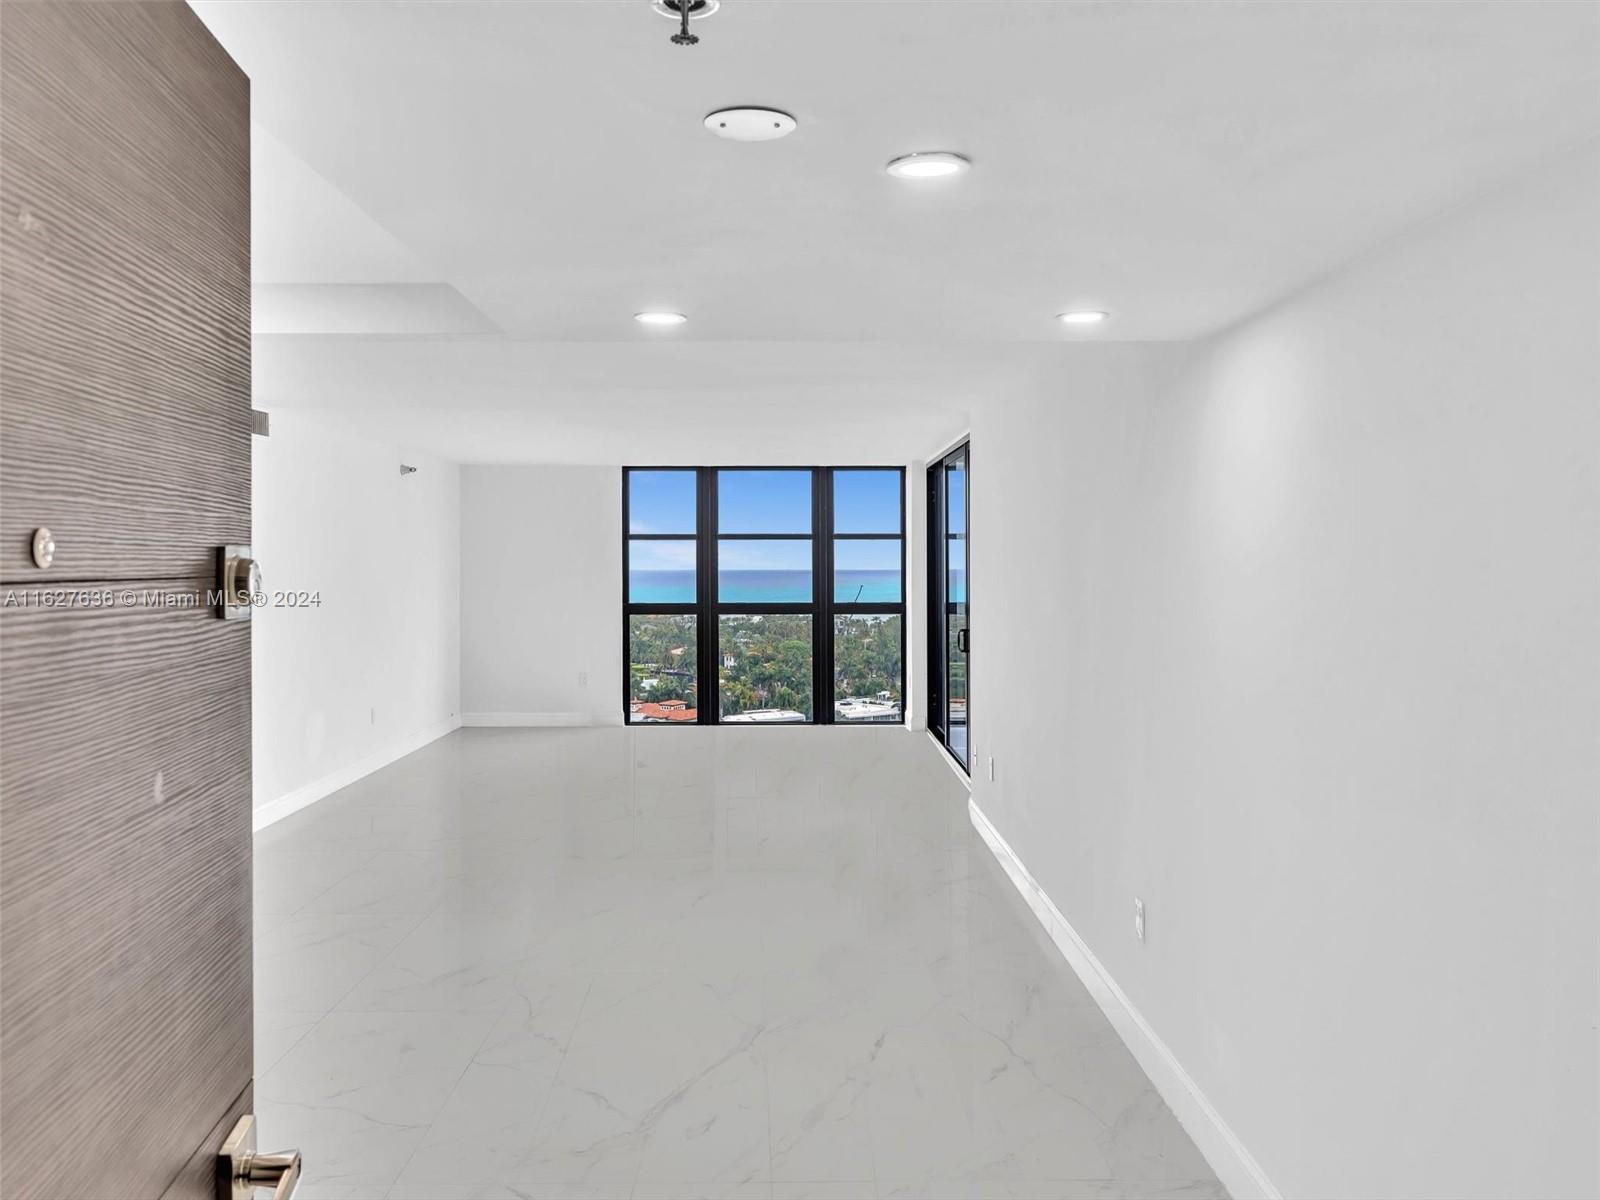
x: 949, y: 603
x: 661, y: 567
x: 764, y: 595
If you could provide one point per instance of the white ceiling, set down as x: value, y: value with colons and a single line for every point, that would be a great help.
x: 594, y: 402
x: 1180, y: 164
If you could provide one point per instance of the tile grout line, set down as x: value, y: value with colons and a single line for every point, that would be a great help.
x: 577, y: 1021
x: 434, y: 1120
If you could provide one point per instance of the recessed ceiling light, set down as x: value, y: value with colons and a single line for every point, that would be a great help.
x: 659, y: 318
x: 929, y: 164
x: 1082, y: 317
x: 750, y: 124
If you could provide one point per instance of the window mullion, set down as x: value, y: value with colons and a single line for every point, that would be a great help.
x: 706, y: 597
x: 822, y: 595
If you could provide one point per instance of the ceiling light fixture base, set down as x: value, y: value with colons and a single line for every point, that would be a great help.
x: 750, y: 124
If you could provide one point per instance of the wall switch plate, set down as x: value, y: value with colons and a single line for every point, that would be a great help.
x: 991, y: 768
x: 1138, y: 918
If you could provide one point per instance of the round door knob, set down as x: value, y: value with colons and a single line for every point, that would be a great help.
x: 241, y: 579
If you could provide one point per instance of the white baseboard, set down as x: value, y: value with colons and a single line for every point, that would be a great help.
x: 949, y: 761
x: 494, y: 720
x: 293, y: 802
x: 1238, y: 1171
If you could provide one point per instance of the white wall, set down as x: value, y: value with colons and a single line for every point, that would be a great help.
x: 1296, y: 635
x: 374, y: 671
x: 541, y: 587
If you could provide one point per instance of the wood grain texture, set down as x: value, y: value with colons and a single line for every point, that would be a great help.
x: 125, y: 972
x: 124, y: 291
x: 198, y: 1179
x: 125, y: 1008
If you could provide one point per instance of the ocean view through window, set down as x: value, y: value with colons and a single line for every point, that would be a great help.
x: 764, y: 595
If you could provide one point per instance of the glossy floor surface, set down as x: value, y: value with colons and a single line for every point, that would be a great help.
x: 679, y: 963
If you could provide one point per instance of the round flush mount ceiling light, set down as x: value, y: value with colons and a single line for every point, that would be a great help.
x: 659, y: 317
x: 750, y: 124
x: 929, y: 164
x: 1082, y: 316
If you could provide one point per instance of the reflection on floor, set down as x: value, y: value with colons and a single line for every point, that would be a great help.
x: 679, y: 962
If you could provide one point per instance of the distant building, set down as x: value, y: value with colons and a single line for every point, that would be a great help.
x: 675, y: 711
x: 882, y: 708
x: 765, y: 716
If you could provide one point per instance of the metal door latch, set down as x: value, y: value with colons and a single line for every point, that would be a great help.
x: 239, y: 582
x: 241, y: 1170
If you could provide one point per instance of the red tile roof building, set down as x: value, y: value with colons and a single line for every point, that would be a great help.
x: 667, y: 710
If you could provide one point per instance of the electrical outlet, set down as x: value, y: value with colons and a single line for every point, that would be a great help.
x: 583, y: 679
x: 1138, y: 918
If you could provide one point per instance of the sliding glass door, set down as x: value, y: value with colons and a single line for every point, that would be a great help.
x: 949, y: 618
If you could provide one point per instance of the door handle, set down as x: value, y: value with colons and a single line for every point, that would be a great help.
x: 241, y: 1169
x: 238, y: 582
x: 962, y: 640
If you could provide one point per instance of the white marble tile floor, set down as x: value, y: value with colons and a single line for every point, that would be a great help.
x: 660, y: 963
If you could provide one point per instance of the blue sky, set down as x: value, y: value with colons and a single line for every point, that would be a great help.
x: 660, y: 556
x: 754, y: 555
x: 661, y: 502
x: 764, y: 556
x: 867, y: 555
x: 866, y: 502
x: 955, y: 487
x: 764, y: 502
